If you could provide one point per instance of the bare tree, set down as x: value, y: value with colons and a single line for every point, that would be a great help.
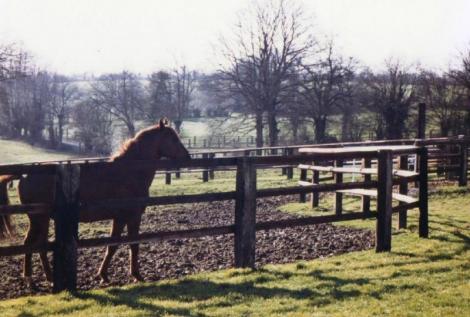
x: 160, y: 97
x: 64, y: 93
x: 326, y: 86
x: 94, y: 127
x: 444, y: 98
x: 15, y: 91
x: 122, y: 96
x: 184, y: 83
x: 389, y: 96
x: 268, y: 44
x: 462, y: 74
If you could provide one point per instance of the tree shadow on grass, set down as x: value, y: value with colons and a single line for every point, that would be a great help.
x: 141, y: 297
x: 328, y: 289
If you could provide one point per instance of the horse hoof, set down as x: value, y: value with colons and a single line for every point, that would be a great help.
x: 103, y: 278
x: 137, y: 278
x: 29, y: 282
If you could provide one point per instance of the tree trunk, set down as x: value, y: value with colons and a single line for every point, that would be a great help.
x: 178, y: 124
x: 259, y: 129
x: 346, y: 126
x: 445, y: 128
x: 52, y: 136
x: 60, y: 135
x: 273, y: 131
x: 320, y: 129
x: 130, y: 129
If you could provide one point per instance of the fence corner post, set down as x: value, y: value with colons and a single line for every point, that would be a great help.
x: 245, y: 213
x: 384, y: 201
x: 423, y: 193
x: 66, y: 217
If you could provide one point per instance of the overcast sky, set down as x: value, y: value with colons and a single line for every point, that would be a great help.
x: 97, y: 36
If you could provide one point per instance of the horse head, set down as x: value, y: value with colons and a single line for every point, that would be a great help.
x: 169, y: 143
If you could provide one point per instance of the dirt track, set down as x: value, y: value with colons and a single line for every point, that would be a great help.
x: 175, y: 258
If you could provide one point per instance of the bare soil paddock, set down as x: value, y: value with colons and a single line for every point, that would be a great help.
x: 175, y: 258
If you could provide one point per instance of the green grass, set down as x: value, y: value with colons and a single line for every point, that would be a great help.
x: 21, y: 152
x: 191, y: 183
x: 420, y: 277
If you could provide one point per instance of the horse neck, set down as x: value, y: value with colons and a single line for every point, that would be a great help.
x: 139, y: 151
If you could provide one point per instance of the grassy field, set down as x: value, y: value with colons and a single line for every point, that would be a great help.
x: 21, y: 152
x: 420, y: 277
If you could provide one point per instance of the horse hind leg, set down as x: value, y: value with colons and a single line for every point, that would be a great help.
x: 133, y: 227
x: 27, y: 263
x: 116, y: 231
x: 37, y: 236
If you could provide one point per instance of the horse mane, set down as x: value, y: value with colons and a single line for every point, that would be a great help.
x: 131, y: 146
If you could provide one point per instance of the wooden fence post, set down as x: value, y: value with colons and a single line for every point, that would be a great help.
x: 315, y: 198
x: 463, y: 164
x: 365, y: 200
x: 303, y: 177
x: 211, y: 170
x: 245, y: 213
x: 284, y: 169
x: 403, y: 189
x: 178, y: 173
x: 66, y: 216
x: 423, y: 193
x: 290, y: 169
x: 168, y: 178
x: 384, y: 201
x: 338, y: 196
x: 205, y: 171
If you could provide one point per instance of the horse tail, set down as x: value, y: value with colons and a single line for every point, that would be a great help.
x: 7, y: 229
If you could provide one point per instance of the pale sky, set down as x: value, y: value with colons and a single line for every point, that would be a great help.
x: 97, y: 36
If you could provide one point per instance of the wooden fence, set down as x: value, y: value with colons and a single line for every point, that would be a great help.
x: 448, y: 157
x: 67, y: 207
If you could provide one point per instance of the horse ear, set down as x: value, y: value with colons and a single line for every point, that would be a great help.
x: 163, y: 122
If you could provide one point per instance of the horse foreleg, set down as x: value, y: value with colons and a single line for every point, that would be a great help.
x: 27, y: 263
x: 133, y: 227
x: 45, y: 265
x: 116, y: 231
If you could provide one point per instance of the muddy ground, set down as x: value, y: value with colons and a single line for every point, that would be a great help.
x: 176, y: 258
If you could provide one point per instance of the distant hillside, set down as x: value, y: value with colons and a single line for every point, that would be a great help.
x: 20, y: 152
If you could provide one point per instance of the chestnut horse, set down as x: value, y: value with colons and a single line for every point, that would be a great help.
x: 99, y: 184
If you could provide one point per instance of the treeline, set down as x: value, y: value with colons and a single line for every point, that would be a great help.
x: 274, y: 70
x: 36, y: 105
x: 276, y: 67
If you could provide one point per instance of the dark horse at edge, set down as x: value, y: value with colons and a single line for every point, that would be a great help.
x: 96, y: 184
